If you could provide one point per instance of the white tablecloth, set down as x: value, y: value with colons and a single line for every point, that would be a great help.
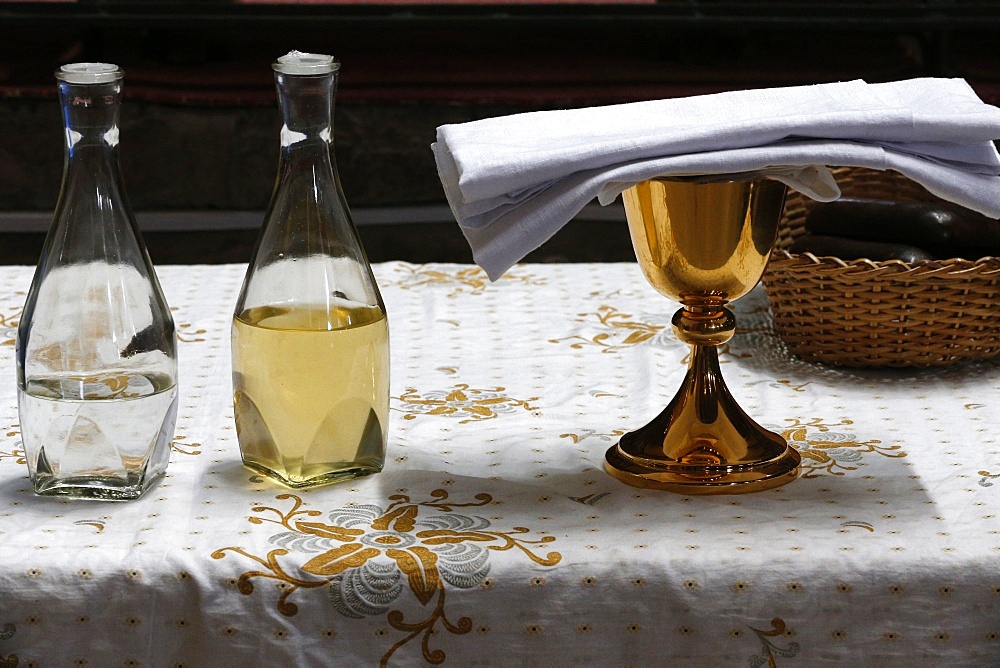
x: 493, y: 537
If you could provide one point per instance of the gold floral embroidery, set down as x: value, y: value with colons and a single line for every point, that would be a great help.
x: 8, y: 327
x: 184, y: 448
x: 769, y: 650
x: 788, y: 384
x: 17, y: 454
x: 859, y: 524
x: 187, y: 334
x: 621, y: 331
x: 832, y: 451
x: 97, y: 524
x: 100, y: 386
x: 987, y: 476
x: 116, y: 385
x: 470, y: 280
x: 364, y: 551
x: 591, y: 433
x: 463, y: 401
x: 7, y: 632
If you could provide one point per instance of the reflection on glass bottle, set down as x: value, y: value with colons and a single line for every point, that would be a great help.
x: 96, y: 349
x: 310, y: 338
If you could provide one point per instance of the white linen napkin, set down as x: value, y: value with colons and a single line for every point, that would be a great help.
x: 514, y: 181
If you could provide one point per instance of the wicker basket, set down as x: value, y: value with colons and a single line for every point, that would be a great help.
x: 880, y: 314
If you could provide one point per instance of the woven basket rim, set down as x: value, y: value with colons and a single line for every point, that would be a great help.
x: 985, y: 266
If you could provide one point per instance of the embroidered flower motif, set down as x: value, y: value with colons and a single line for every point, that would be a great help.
x: 983, y: 482
x: 859, y: 524
x: 769, y: 649
x: 367, y: 571
x: 369, y: 556
x: 833, y: 452
x: 610, y: 437
x: 188, y: 334
x: 17, y: 453
x: 97, y: 524
x: 8, y: 326
x: 468, y: 280
x: 619, y: 330
x: 184, y: 448
x: 462, y: 401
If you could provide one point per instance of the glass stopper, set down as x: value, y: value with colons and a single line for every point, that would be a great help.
x: 89, y: 73
x: 296, y: 62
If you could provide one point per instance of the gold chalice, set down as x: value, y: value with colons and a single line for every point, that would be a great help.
x: 703, y: 243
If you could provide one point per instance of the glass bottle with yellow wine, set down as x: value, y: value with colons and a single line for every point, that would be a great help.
x: 310, y: 337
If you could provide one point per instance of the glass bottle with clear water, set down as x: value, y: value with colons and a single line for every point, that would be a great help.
x: 96, y: 348
x: 310, y: 338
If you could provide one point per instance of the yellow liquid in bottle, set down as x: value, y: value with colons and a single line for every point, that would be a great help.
x: 311, y: 391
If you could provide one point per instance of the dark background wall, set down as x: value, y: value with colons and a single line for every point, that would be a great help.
x: 199, y: 126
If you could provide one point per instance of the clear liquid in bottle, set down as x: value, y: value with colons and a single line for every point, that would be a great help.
x: 96, y: 347
x: 106, y: 433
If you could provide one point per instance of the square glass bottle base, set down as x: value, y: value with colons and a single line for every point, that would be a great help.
x: 96, y: 488
x: 315, y: 478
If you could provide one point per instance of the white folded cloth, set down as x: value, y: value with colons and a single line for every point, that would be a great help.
x: 514, y: 181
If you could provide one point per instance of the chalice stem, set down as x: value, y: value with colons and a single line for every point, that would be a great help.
x: 717, y: 432
x: 704, y: 381
x: 703, y: 442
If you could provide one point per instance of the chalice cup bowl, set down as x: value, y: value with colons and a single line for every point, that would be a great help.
x: 704, y: 242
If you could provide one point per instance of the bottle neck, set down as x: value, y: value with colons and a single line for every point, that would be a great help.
x: 306, y: 103
x: 90, y: 118
x: 92, y: 208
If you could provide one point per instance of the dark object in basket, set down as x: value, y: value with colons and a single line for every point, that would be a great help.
x: 863, y: 313
x: 857, y: 249
x: 942, y: 229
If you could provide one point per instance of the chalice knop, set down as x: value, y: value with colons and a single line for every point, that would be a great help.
x: 703, y: 242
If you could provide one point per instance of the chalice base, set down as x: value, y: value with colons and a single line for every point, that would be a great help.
x: 742, y: 479
x: 703, y: 443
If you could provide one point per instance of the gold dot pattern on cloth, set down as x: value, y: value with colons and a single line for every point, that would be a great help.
x: 883, y: 550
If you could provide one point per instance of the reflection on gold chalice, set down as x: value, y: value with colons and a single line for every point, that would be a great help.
x: 703, y: 243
